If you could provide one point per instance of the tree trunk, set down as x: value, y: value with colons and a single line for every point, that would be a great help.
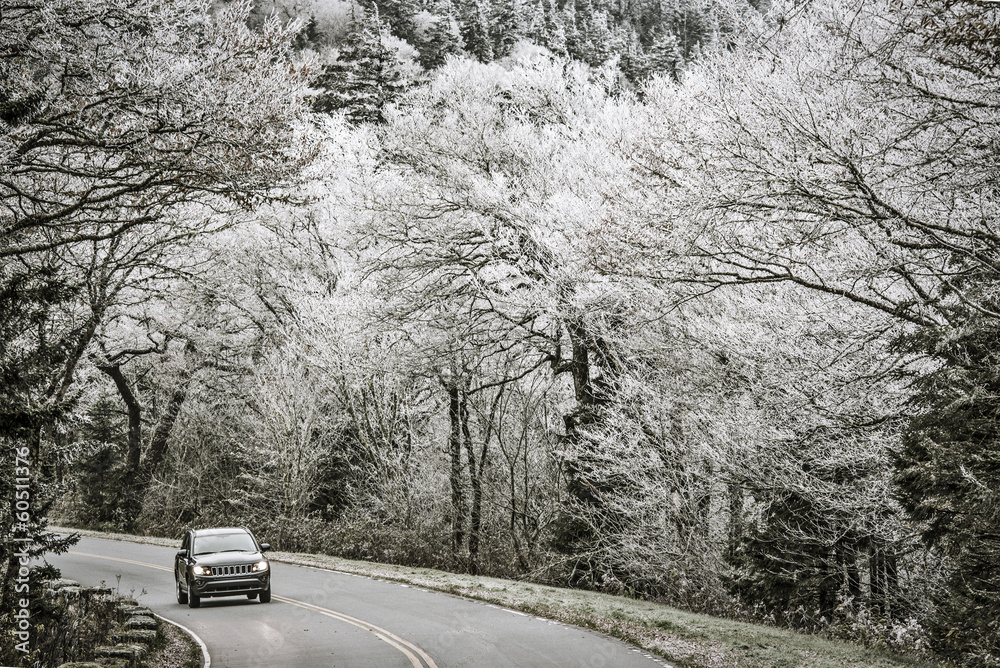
x: 51, y: 468
x: 828, y: 583
x: 891, y: 580
x: 876, y: 581
x: 580, y: 369
x: 158, y: 442
x: 735, y: 521
x: 705, y: 501
x: 455, y: 450
x: 582, y: 538
x: 476, y: 482
x: 852, y: 573
x: 133, y: 481
x: 61, y: 385
x: 141, y: 472
x: 134, y: 416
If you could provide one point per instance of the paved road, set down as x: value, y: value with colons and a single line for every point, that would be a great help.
x: 319, y: 618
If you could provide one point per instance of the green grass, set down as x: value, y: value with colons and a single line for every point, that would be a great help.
x: 685, y: 639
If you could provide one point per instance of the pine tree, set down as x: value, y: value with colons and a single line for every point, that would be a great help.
x: 475, y: 29
x: 364, y: 78
x: 691, y: 23
x: 948, y: 470
x: 605, y: 40
x: 949, y: 476
x: 398, y: 15
x: 803, y: 558
x: 533, y: 20
x: 664, y: 56
x: 443, y: 38
x: 568, y: 19
x: 32, y: 353
x: 506, y: 25
x: 590, y: 40
x: 633, y: 60
x: 553, y: 30
x: 310, y: 37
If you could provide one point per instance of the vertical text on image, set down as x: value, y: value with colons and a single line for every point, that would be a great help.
x: 22, y: 536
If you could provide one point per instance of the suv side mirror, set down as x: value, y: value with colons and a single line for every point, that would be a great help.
x: 182, y: 553
x: 264, y: 547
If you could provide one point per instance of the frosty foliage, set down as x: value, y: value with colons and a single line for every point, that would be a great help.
x: 123, y: 113
x: 726, y: 341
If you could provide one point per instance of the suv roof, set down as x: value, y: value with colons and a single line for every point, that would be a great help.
x: 219, y: 531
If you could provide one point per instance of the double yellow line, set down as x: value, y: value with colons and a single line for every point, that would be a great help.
x: 402, y: 645
x: 411, y: 651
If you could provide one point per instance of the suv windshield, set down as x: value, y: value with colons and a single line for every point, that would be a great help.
x: 229, y: 542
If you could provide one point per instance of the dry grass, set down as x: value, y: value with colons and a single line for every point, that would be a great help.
x: 178, y: 650
x: 686, y: 639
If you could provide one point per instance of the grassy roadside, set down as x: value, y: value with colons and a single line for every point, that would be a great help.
x: 685, y: 639
x: 176, y: 649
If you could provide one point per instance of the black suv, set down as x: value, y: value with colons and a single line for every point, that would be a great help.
x: 221, y: 562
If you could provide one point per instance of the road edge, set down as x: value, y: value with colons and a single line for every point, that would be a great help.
x: 667, y: 648
x: 293, y: 559
x: 206, y: 659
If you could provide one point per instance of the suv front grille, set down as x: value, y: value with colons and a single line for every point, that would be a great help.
x: 231, y: 570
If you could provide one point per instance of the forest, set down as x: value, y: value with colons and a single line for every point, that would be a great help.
x: 696, y: 301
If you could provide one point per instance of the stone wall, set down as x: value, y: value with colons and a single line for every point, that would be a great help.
x: 92, y: 627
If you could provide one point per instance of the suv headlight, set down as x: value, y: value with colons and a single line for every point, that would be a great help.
x: 201, y: 570
x: 260, y: 566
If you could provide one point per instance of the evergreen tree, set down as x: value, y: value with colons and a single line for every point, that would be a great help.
x: 553, y: 34
x: 590, y: 40
x: 949, y: 476
x: 507, y: 25
x: 475, y: 29
x: 443, y: 38
x: 533, y: 21
x: 103, y: 488
x: 32, y: 352
x: 691, y: 22
x: 568, y: 19
x: 804, y: 557
x: 310, y: 36
x: 398, y: 15
x: 364, y: 78
x: 664, y: 56
x: 948, y: 469
x: 633, y: 61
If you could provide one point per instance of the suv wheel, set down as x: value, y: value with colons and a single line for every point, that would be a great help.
x: 182, y: 596
x: 194, y: 600
x: 265, y: 595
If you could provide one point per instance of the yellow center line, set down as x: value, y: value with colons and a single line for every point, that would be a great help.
x: 379, y: 633
x: 126, y: 561
x: 370, y: 627
x: 388, y: 637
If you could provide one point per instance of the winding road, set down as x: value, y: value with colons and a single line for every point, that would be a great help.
x: 324, y: 619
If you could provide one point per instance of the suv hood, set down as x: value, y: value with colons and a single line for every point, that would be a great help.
x: 228, y: 558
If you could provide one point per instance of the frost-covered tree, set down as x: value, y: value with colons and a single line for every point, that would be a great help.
x: 485, y: 239
x: 365, y: 76
x: 122, y: 114
x: 552, y: 33
x: 508, y: 25
x: 475, y: 29
x: 136, y: 125
x: 33, y: 341
x: 664, y: 56
x: 849, y: 158
x: 443, y: 37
